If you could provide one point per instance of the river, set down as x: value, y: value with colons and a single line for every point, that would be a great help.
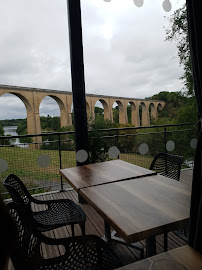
x: 12, y: 130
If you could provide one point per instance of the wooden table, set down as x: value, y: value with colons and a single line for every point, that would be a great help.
x: 185, y: 255
x: 134, y: 201
x: 102, y: 173
x: 141, y: 207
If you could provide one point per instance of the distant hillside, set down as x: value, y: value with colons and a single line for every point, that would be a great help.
x: 178, y: 109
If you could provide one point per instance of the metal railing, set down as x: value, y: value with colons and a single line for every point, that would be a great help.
x: 38, y: 163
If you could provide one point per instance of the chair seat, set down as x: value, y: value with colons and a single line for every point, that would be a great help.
x: 182, y: 233
x: 57, y: 213
x: 60, y: 213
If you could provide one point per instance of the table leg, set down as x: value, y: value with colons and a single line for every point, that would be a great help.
x: 107, y: 236
x: 150, y: 246
x: 81, y: 199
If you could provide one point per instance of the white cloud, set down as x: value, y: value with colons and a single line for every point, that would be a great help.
x: 124, y: 49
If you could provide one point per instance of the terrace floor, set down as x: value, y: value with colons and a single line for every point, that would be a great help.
x: 95, y: 225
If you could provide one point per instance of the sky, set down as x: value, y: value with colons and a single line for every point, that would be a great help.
x: 125, y: 52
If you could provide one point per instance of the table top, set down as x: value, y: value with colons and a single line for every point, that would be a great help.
x: 185, y: 255
x: 102, y: 173
x: 141, y: 207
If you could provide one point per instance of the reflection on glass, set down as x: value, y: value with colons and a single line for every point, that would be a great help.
x: 43, y: 160
x: 138, y: 3
x: 81, y: 156
x: 107, y: 0
x: 143, y: 149
x: 166, y: 264
x: 3, y: 165
x: 170, y: 146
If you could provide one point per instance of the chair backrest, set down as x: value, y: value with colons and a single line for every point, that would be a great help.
x: 27, y: 244
x: 80, y: 252
x: 167, y: 165
x: 18, y: 192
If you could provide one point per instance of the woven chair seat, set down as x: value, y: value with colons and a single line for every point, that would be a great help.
x: 183, y: 233
x: 74, y: 253
x: 56, y: 213
x: 60, y: 212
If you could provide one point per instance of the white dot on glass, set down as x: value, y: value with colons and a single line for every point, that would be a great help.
x: 113, y: 152
x: 193, y: 143
x: 143, y: 149
x: 81, y: 156
x: 3, y: 165
x: 43, y: 160
x: 170, y: 146
x: 138, y: 3
x: 167, y: 5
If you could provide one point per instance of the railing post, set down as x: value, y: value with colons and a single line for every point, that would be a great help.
x: 165, y: 150
x: 165, y: 139
x: 117, y: 140
x: 60, y: 158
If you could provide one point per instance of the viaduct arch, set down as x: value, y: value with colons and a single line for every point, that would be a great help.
x: 32, y: 97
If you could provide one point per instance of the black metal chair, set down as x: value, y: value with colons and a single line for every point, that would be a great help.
x: 167, y: 165
x: 34, y: 251
x: 170, y: 166
x: 56, y: 213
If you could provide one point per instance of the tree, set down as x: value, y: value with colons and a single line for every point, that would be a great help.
x: 178, y: 31
x: 116, y: 114
x: 1, y: 131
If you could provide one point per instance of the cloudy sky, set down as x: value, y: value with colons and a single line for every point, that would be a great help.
x: 125, y: 52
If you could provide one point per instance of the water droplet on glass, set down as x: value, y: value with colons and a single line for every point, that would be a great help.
x: 170, y: 146
x: 81, y: 156
x: 43, y: 160
x: 143, y: 149
x: 113, y: 152
x: 3, y: 165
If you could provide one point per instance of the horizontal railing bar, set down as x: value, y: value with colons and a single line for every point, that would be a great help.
x: 102, y: 130
x: 158, y: 132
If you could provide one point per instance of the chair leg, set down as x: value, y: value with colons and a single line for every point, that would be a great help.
x: 72, y: 228
x: 165, y: 242
x: 83, y: 230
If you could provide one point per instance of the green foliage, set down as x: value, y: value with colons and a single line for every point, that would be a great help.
x: 178, y: 31
x: 126, y: 142
x: 67, y: 140
x: 188, y: 113
x: 1, y: 131
x: 22, y: 127
x: 50, y: 123
x: 179, y: 109
x: 116, y: 114
x: 10, y: 122
x: 98, y: 147
x: 129, y: 113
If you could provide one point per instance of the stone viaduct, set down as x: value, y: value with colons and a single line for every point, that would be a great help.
x: 32, y: 97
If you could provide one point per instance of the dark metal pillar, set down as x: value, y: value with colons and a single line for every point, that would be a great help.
x: 77, y: 72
